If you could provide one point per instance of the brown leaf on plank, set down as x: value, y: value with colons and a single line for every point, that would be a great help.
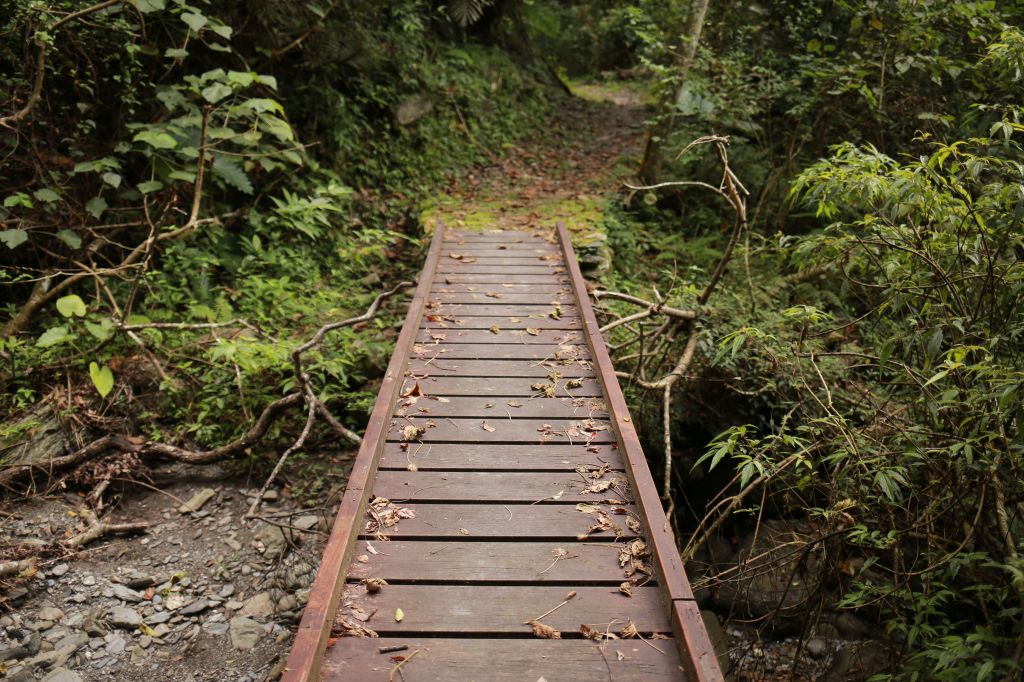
x: 495, y: 329
x: 487, y: 427
x: 544, y: 631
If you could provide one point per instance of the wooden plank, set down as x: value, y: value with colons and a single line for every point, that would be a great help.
x: 481, y: 252
x: 497, y: 486
x: 456, y: 278
x: 521, y: 660
x: 493, y: 257
x: 311, y: 639
x: 512, y: 272
x: 440, y: 286
x: 497, y: 235
x: 698, y: 653
x: 490, y: 562
x: 511, y: 388
x: 502, y: 430
x: 548, y: 457
x: 550, y: 299
x: 499, y: 368
x: 504, y: 609
x: 503, y: 247
x: 497, y: 409
x: 502, y: 323
x: 456, y: 335
x: 497, y: 351
x: 499, y: 521
x: 502, y: 309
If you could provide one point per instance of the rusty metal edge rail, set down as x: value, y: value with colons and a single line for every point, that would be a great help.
x: 695, y: 646
x: 307, y: 652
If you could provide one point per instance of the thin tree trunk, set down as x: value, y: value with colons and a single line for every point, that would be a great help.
x: 650, y: 167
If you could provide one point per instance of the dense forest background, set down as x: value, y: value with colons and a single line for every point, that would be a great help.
x: 189, y: 191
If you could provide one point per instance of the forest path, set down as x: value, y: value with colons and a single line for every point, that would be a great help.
x: 593, y: 142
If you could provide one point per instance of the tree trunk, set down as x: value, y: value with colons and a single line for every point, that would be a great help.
x: 650, y: 167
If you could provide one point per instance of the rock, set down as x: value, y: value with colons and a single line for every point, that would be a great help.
x: 74, y: 640
x: 271, y: 495
x: 116, y: 646
x: 137, y: 580
x: 29, y: 647
x: 413, y: 108
x: 245, y: 632
x: 307, y: 522
x: 127, y: 594
x: 258, y: 606
x: 62, y: 675
x: 197, y: 501
x: 59, y: 570
x: 717, y: 636
x: 145, y: 641
x: 287, y: 603
x: 158, y: 617
x: 139, y: 654
x: 50, y: 613
x: 94, y: 625
x: 226, y: 591
x: 272, y: 539
x: 196, y: 607
x: 852, y: 627
x: 816, y: 647
x: 858, y: 662
x: 123, y: 617
x: 89, y: 580
x: 233, y: 605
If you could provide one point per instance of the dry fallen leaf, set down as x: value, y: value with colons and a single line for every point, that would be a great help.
x: 626, y: 588
x: 544, y: 631
x: 373, y: 585
x: 495, y: 329
x: 487, y: 427
x: 514, y: 403
x: 532, y: 331
x: 629, y: 631
x: 412, y: 432
x: 599, y: 487
x: 493, y: 294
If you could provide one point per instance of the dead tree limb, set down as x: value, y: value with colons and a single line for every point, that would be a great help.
x: 309, y: 396
x: 735, y: 194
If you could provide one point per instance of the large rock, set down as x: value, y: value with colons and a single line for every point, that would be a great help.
x: 62, y: 675
x: 258, y: 606
x: 245, y: 632
x: 123, y: 617
x: 769, y: 580
x: 272, y: 539
x: 413, y: 108
x: 36, y: 437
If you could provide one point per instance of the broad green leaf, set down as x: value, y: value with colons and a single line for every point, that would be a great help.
x: 241, y: 78
x: 47, y: 195
x: 14, y: 237
x: 156, y: 139
x: 53, y: 336
x: 150, y: 186
x: 176, y: 52
x: 102, y: 378
x: 102, y: 331
x: 70, y: 238
x: 194, y: 21
x: 72, y: 305
x: 223, y: 31
x: 18, y: 199
x: 112, y: 179
x: 147, y: 6
x: 231, y: 172
x: 215, y: 92
x: 96, y: 206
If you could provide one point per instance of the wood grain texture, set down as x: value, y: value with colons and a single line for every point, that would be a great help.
x: 504, y: 324
x: 490, y: 296
x: 476, y: 457
x: 501, y: 430
x: 498, y: 486
x: 439, y: 366
x: 441, y: 521
x: 503, y: 660
x: 490, y: 562
x: 497, y: 351
x: 500, y: 309
x: 456, y: 278
x: 503, y: 609
x: 544, y: 337
x: 512, y: 388
x: 494, y: 408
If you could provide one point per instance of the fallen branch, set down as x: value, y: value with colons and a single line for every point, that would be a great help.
x: 313, y: 403
x: 94, y: 532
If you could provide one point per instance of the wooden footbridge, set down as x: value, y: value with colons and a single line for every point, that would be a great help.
x: 500, y: 521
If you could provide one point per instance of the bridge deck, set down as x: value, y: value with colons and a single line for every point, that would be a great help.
x: 501, y: 481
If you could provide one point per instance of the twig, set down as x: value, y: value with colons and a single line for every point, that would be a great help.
x: 398, y: 666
